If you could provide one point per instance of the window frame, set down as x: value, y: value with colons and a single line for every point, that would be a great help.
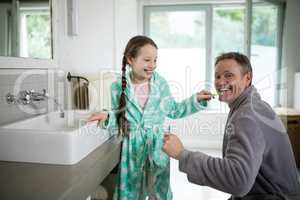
x: 11, y: 62
x: 208, y: 27
x: 143, y: 15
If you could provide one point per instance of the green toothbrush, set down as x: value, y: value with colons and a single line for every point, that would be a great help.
x: 219, y: 92
x: 216, y: 93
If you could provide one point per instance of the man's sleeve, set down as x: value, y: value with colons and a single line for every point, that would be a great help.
x: 236, y: 172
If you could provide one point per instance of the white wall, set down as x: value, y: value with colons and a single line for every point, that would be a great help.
x: 104, y: 29
x: 93, y: 48
x: 126, y: 26
x: 291, y: 49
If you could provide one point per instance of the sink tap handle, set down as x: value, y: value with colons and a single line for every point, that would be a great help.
x: 45, y: 93
x: 27, y: 97
x: 10, y: 98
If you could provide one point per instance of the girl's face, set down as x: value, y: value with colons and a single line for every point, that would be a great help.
x: 144, y: 64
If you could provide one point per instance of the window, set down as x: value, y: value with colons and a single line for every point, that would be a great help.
x: 264, y: 48
x: 191, y: 36
x: 228, y: 29
x: 35, y: 32
x: 180, y: 33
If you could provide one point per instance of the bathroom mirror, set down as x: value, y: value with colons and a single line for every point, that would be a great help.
x: 26, y: 29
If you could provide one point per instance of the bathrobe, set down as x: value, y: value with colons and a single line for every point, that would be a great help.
x: 144, y: 169
x: 258, y: 161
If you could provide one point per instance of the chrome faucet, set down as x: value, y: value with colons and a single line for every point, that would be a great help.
x: 26, y: 97
x: 36, y: 96
x: 23, y: 97
x: 60, y: 107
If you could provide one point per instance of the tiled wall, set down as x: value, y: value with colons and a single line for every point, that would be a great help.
x: 14, y: 80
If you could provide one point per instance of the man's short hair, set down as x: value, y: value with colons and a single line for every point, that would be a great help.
x: 241, y: 59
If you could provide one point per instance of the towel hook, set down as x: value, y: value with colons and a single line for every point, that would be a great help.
x: 70, y: 77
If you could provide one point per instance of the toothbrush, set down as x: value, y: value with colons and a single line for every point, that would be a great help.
x: 216, y: 93
x: 98, y: 123
x: 219, y: 92
x: 168, y: 131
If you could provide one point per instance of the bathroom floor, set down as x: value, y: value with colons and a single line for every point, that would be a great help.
x: 182, y: 189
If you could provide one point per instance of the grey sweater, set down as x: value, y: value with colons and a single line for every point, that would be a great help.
x: 257, y: 161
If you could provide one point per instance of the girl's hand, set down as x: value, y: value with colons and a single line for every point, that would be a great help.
x: 204, y: 95
x: 101, y: 116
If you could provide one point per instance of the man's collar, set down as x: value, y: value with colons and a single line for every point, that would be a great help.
x: 242, y: 96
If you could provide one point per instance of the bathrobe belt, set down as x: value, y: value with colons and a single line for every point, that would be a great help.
x: 148, y: 164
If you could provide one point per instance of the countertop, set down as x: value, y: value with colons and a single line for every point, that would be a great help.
x: 282, y: 111
x: 33, y: 181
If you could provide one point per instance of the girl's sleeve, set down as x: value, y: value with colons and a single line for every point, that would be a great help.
x: 184, y: 108
x: 111, y: 121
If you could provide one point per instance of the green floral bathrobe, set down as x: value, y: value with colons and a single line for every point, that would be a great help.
x: 144, y: 168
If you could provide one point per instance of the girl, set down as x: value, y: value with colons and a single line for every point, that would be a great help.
x: 140, y: 102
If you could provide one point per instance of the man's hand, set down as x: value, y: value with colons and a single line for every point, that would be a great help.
x: 98, y: 117
x: 172, y: 146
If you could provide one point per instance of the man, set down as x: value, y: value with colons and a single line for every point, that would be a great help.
x: 258, y: 162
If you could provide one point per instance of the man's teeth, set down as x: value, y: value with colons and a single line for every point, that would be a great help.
x: 224, y: 89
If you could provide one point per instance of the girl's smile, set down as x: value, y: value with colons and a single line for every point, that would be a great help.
x: 144, y: 64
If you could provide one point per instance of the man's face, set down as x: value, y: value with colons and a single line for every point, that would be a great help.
x: 230, y: 82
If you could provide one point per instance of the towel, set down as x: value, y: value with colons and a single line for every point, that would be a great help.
x: 81, y: 94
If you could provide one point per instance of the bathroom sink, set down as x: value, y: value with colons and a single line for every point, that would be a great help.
x: 51, y: 139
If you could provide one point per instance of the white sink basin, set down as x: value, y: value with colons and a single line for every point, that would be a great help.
x: 50, y: 139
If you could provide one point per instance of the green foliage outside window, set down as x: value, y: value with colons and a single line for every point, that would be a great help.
x: 39, y: 35
x: 264, y: 23
x: 228, y: 29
